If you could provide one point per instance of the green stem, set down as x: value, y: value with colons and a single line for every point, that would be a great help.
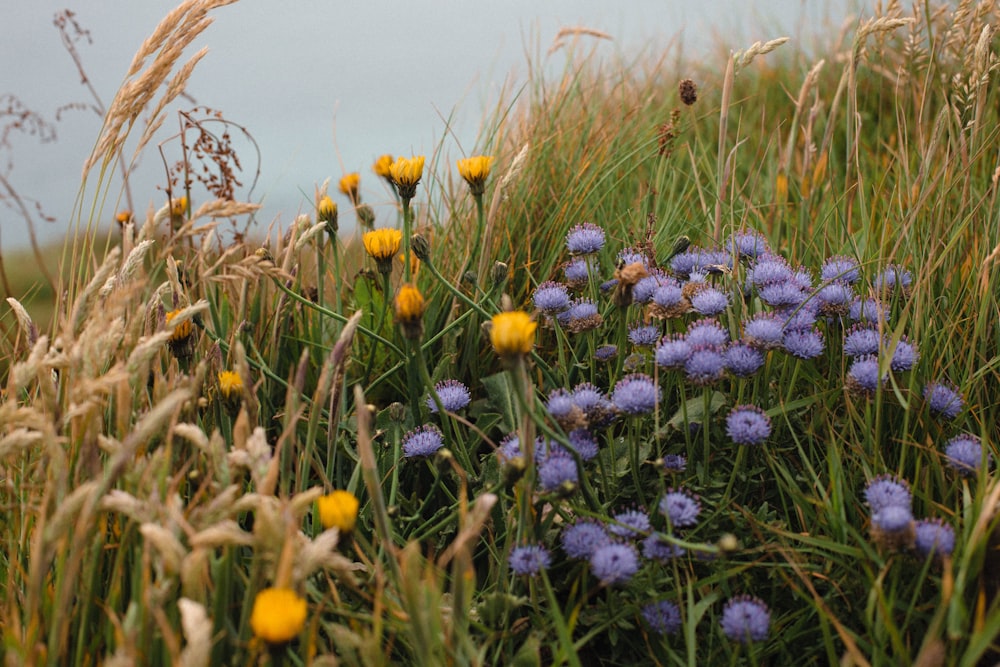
x: 406, y: 239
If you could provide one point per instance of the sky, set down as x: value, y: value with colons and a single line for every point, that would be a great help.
x: 326, y: 86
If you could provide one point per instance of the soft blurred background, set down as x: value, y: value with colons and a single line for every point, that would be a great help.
x: 326, y: 87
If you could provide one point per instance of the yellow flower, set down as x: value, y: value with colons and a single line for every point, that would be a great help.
x: 383, y: 165
x: 338, y: 509
x: 124, y: 217
x: 182, y: 331
x: 178, y: 206
x: 349, y: 186
x: 382, y: 245
x: 406, y: 173
x: 475, y: 171
x: 409, y: 308
x: 230, y: 384
x: 513, y: 333
x: 327, y: 210
x: 278, y: 615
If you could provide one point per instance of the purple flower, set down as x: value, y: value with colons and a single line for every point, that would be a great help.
x: 835, y: 299
x: 904, y: 356
x: 577, y: 270
x: 742, y: 359
x: 841, y: 269
x: 781, y: 294
x: 663, y: 618
x: 585, y: 239
x: 423, y: 441
x: 934, y: 538
x: 606, y: 352
x: 800, y: 317
x: 599, y: 410
x: 700, y: 260
x: 628, y: 256
x: 748, y: 244
x: 643, y: 290
x: 560, y: 403
x: 630, y: 523
x: 581, y: 440
x: 868, y: 310
x: 644, y: 335
x: 746, y: 619
x: 668, y: 295
x: 886, y: 490
x: 655, y: 547
x: 674, y: 463
x: 635, y: 394
x: 893, y: 277
x: 680, y: 507
x: 964, y: 453
x: 748, y: 425
x: 710, y: 301
x: 861, y: 340
x: 557, y: 471
x: 707, y: 331
x: 943, y: 398
x: 673, y: 351
x: 614, y: 563
x: 892, y: 519
x: 453, y: 394
x: 551, y: 297
x: 529, y: 560
x: 583, y: 538
x: 803, y: 343
x: 770, y: 269
x: 509, y: 448
x: 582, y: 316
x: 863, y: 376
x: 705, y: 365
x: 765, y: 330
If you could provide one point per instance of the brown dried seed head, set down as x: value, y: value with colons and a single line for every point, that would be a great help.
x: 688, y: 90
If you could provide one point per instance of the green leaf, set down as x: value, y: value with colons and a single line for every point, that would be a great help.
x: 501, y: 396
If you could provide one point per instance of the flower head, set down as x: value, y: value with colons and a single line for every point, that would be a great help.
x: 681, y: 508
x: 674, y: 463
x: 841, y: 269
x: 230, y: 385
x: 409, y: 307
x: 557, y: 471
x: 663, y: 618
x: 886, y: 490
x: 585, y: 239
x: 748, y: 244
x: 933, y: 538
x: 673, y: 351
x: 577, y: 271
x: 454, y: 396
x: 513, y: 334
x: 803, y: 343
x: 644, y: 335
x: 475, y: 171
x: 635, y: 394
x: 904, y: 356
x: 630, y: 523
x: 582, y: 316
x: 326, y: 212
x: 583, y: 443
x: 405, y: 173
x: 943, y: 398
x: 181, y: 341
x: 383, y: 166
x: 529, y: 560
x: 349, y: 185
x: 766, y: 331
x: 743, y: 359
x: 551, y: 298
x: 705, y: 365
x: 862, y: 339
x: 423, y: 441
x: 710, y: 301
x: 863, y: 376
x: 338, y: 509
x: 382, y: 245
x: 583, y: 538
x: 748, y: 425
x: 746, y: 619
x: 614, y: 563
x: 893, y: 527
x: 655, y: 547
x: 278, y: 615
x: 606, y: 352
x: 964, y: 453
x: 707, y: 331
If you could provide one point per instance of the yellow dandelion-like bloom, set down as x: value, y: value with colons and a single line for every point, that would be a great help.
x: 182, y: 331
x: 278, y: 615
x: 414, y: 263
x: 327, y: 210
x: 230, y: 384
x: 405, y: 174
x: 409, y: 308
x: 178, y: 206
x: 513, y: 333
x: 475, y: 171
x: 338, y: 509
x: 383, y: 165
x: 382, y: 245
x: 349, y: 185
x: 124, y: 217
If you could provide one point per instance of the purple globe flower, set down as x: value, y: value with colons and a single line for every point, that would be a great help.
x: 628, y: 256
x: 705, y: 365
x: 583, y: 538
x: 655, y: 547
x: 748, y: 425
x: 861, y: 340
x: 614, y: 563
x: 509, y: 448
x: 803, y: 343
x: 840, y: 269
x: 934, y: 538
x: 765, y: 330
x: 425, y: 440
x: 802, y: 278
x: 680, y: 507
x: 746, y: 619
x: 673, y: 351
x: 675, y: 463
x: 868, y: 310
x: 663, y: 618
x: 780, y: 294
x: 583, y: 442
x: 551, y: 298
x: 863, y: 376
x: 668, y: 295
x: 748, y: 244
x: 743, y: 359
x: 770, y: 269
x: 893, y: 277
x: 557, y: 472
x: 453, y: 394
x: 707, y: 331
x: 583, y: 315
x: 529, y: 560
x: 800, y: 317
x: 943, y: 398
x: 644, y: 335
x: 892, y: 519
x: 630, y: 524
x: 710, y: 301
x: 577, y: 270
x: 964, y: 453
x: 905, y: 356
x: 643, y: 290
x: 609, y: 285
x: 835, y: 299
x: 888, y: 490
x: 595, y: 405
x: 560, y: 404
x: 635, y: 394
x: 606, y: 352
x: 585, y: 239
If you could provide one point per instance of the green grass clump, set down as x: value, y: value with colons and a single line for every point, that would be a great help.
x: 189, y: 437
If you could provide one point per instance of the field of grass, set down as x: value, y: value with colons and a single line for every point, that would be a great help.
x: 702, y: 367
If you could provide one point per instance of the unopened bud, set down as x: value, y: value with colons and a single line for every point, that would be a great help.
x: 397, y: 411
x: 366, y: 216
x: 421, y: 248
x: 470, y: 278
x: 499, y: 273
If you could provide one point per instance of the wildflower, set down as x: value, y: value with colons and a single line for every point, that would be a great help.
x: 893, y: 277
x: 642, y: 291
x: 230, y: 385
x: 509, y: 448
x: 669, y: 301
x: 585, y: 239
x: 583, y: 538
x: 887, y: 490
x: 841, y: 269
x: 868, y: 310
x: 748, y: 425
x: 513, y: 334
x: 338, y: 509
x: 705, y: 365
x: 630, y: 523
x: 181, y: 341
x: 943, y: 398
x: 583, y: 316
x: 557, y: 471
x: 964, y: 453
x: 681, y: 508
x: 656, y: 547
x: 746, y: 619
x: 803, y: 343
x: 178, y: 208
x: 278, y: 615
x: 663, y: 618
x: 743, y: 359
x: 933, y: 538
x: 675, y: 463
x: 606, y: 352
x: 628, y: 256
x: 781, y: 294
x: 383, y: 167
x: 614, y: 563
x: 349, y: 185
x: 453, y: 395
x: 475, y: 171
x: 560, y: 404
x: 595, y: 405
x: 707, y: 331
x: 863, y: 376
x: 124, y: 217
x: 422, y: 441
x: 583, y: 443
x: 551, y: 298
x: 577, y: 271
x: 382, y: 245
x: 747, y: 244
x: 861, y: 340
x: 643, y: 335
x: 405, y: 173
x: 409, y: 307
x: 673, y: 352
x: 696, y: 259
x: 770, y: 269
x: 635, y: 394
x: 529, y: 560
x: 893, y: 527
x: 326, y: 212
x: 835, y: 299
x: 710, y: 301
x: 765, y: 330
x: 904, y: 356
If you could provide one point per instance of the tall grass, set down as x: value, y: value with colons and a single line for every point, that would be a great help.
x: 149, y: 500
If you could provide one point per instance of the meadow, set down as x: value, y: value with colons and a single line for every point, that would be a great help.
x: 685, y: 364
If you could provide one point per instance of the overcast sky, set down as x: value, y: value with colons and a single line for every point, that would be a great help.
x: 311, y: 78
